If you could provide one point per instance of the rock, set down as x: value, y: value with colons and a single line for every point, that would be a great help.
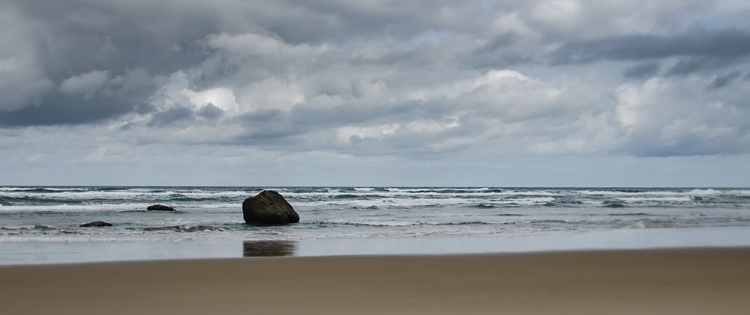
x: 96, y: 224
x: 268, y: 207
x: 159, y: 208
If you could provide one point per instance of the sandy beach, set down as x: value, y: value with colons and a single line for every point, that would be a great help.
x: 665, y: 281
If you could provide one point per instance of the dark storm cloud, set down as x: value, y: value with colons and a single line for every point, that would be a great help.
x: 701, y: 46
x: 80, y: 36
x: 641, y: 70
x: 65, y: 110
x: 117, y: 96
x: 71, y: 39
x: 724, y: 80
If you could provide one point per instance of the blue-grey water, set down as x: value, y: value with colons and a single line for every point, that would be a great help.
x: 53, y: 214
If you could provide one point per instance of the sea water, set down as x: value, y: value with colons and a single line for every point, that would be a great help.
x: 33, y: 216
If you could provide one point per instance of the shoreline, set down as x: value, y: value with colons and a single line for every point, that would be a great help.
x: 33, y: 253
x: 636, y: 281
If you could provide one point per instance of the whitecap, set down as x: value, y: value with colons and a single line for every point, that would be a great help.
x: 705, y: 192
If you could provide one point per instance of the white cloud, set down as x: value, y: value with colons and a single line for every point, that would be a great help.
x: 678, y: 116
x: 222, y: 98
x: 270, y: 94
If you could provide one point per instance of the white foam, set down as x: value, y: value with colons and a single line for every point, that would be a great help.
x: 529, y: 201
x: 704, y: 192
x: 16, y: 188
x: 638, y: 225
x: 546, y: 193
x: 135, y: 194
x: 663, y: 199
x: 370, y: 223
x: 75, y: 208
x: 627, y: 193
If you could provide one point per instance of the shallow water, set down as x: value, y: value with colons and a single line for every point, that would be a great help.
x: 16, y: 253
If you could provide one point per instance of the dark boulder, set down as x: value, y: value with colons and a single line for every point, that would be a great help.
x: 269, y: 208
x: 159, y: 208
x: 96, y: 224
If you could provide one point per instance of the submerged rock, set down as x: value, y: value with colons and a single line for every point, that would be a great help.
x: 159, y: 208
x: 268, y: 207
x: 96, y: 224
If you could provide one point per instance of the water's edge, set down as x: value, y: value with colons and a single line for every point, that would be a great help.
x: 86, y: 252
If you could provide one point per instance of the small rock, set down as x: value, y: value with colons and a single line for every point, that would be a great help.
x: 96, y: 224
x: 159, y: 208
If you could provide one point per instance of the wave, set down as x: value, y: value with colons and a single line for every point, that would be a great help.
x: 183, y: 228
x: 629, y: 190
x: 391, y: 223
x: 31, y: 200
x: 350, y: 196
x: 443, y: 190
x: 44, y: 200
x: 127, y: 194
x: 548, y: 221
x: 41, y: 189
x: 484, y: 206
x: 613, y: 203
x: 460, y: 223
x: 38, y: 227
x: 41, y: 209
x: 563, y: 201
x: 657, y: 200
x: 704, y: 192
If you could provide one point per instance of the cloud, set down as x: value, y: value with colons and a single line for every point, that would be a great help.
x: 221, y: 98
x: 170, y: 116
x: 22, y: 79
x: 724, y: 80
x: 210, y: 111
x: 715, y: 46
x: 675, y: 117
x: 86, y: 61
x: 85, y: 84
x: 404, y: 80
x: 641, y: 70
x: 122, y: 94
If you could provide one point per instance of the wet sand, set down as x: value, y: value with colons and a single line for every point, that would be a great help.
x: 664, y: 281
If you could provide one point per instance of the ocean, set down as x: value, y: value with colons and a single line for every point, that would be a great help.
x: 53, y: 214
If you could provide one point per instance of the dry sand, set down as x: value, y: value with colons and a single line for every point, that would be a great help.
x: 675, y: 281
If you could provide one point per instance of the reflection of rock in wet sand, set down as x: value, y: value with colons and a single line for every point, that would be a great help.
x: 268, y: 248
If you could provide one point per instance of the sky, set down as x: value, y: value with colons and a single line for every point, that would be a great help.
x: 375, y: 93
